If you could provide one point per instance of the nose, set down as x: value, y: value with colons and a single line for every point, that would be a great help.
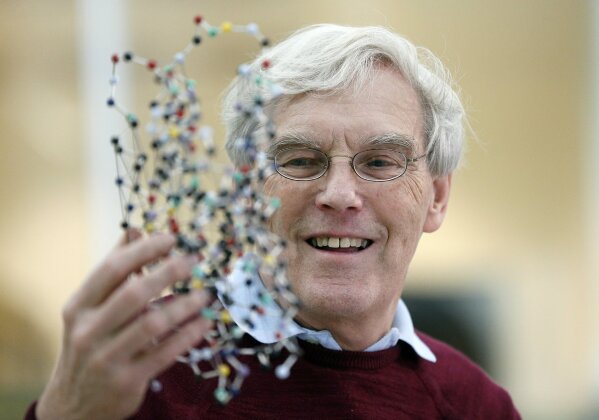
x: 339, y: 188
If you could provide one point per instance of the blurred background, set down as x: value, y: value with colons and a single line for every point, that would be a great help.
x: 513, y: 274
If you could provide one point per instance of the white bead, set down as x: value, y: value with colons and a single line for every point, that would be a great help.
x: 282, y: 372
x: 252, y: 28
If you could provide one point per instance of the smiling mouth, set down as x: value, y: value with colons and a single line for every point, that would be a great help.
x: 339, y: 244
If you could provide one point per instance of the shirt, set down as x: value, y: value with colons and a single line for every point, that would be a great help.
x: 271, y: 326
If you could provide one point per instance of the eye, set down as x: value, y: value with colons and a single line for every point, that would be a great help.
x: 300, y: 163
x: 380, y: 159
x: 380, y: 162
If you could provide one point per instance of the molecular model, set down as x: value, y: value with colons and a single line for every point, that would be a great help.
x: 171, y: 182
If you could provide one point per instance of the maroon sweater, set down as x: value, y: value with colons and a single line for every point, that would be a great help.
x: 327, y: 384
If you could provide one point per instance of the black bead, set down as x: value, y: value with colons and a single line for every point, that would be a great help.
x: 128, y: 56
x: 197, y: 39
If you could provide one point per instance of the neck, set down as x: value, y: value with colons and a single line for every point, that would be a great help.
x: 351, y: 333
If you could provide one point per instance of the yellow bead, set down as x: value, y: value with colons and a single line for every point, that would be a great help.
x: 226, y: 26
x: 170, y: 212
x: 174, y: 132
x: 224, y: 370
x: 149, y: 227
x: 225, y: 317
x: 269, y: 260
x: 197, y: 284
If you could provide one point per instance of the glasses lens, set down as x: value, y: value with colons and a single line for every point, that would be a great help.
x: 301, y: 163
x: 380, y: 164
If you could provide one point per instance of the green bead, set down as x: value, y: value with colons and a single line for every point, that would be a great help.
x: 197, y: 272
x: 238, y: 177
x: 209, y: 313
x: 275, y: 202
x: 221, y: 395
x: 212, y: 32
x: 265, y: 298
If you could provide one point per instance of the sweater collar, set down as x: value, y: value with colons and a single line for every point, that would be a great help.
x: 270, y: 326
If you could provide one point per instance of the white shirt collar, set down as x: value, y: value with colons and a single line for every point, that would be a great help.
x: 270, y: 326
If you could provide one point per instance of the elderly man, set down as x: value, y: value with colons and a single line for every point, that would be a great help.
x: 368, y: 133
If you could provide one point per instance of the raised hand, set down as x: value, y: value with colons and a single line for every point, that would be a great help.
x: 114, y: 342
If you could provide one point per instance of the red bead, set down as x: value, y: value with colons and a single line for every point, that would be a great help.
x: 173, y: 226
x: 192, y: 128
x: 152, y: 199
x: 245, y: 169
x: 151, y: 64
x: 260, y: 310
x: 197, y: 20
x: 227, y: 270
x: 180, y: 112
x: 265, y: 64
x: 114, y: 58
x: 278, y: 335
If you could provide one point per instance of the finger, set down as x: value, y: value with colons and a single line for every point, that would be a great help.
x: 155, y: 324
x: 130, y: 299
x: 123, y: 260
x: 164, y: 354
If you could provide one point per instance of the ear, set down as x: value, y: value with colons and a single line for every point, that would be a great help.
x: 438, y: 205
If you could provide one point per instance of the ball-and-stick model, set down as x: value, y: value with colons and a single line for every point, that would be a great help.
x: 169, y: 181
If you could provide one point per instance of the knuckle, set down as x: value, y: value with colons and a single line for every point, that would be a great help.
x: 112, y: 268
x: 99, y: 364
x: 69, y: 313
x: 81, y: 338
x: 135, y: 294
x: 154, y: 324
x: 122, y: 382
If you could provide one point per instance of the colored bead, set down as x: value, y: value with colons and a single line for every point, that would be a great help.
x: 167, y: 193
x: 226, y: 26
x: 221, y: 395
x: 224, y: 370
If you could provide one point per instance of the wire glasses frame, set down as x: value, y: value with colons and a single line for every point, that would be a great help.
x: 375, y: 165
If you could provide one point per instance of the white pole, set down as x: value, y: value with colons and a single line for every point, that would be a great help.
x: 592, y: 165
x: 103, y: 30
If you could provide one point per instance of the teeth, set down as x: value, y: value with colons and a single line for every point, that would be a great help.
x: 333, y: 242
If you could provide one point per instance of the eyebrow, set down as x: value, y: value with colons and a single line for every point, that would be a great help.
x: 298, y: 139
x: 291, y: 140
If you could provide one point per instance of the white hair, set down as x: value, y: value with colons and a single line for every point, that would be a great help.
x: 328, y: 59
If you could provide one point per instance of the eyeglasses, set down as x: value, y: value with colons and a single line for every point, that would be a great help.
x: 376, y: 165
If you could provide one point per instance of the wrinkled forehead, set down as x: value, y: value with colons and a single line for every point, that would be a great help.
x: 386, y: 110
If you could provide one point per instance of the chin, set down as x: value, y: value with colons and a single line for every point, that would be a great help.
x: 322, y: 305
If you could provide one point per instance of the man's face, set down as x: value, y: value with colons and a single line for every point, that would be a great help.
x: 344, y: 284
